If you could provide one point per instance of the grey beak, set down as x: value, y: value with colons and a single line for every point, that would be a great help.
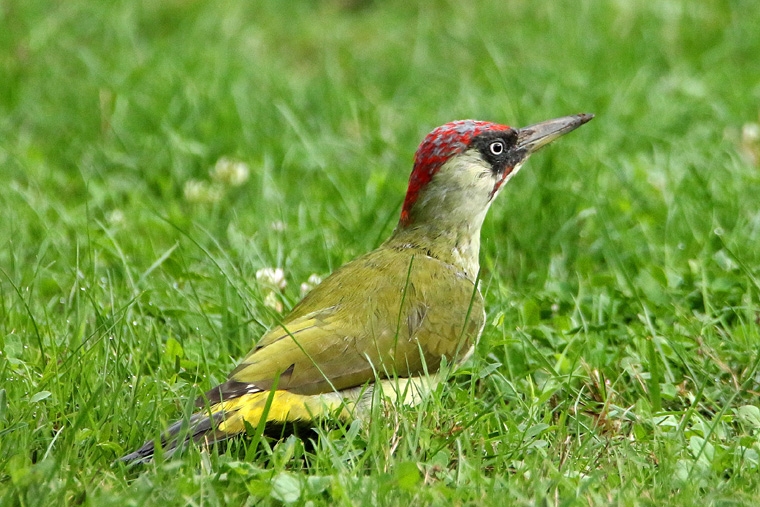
x: 536, y: 136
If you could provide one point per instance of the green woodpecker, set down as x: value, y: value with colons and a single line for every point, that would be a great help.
x: 384, y: 322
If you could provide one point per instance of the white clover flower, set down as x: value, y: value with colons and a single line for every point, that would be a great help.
x: 750, y: 143
x: 197, y: 191
x: 232, y: 173
x: 272, y: 277
x: 278, y: 225
x: 751, y: 133
x: 308, y: 285
x: 115, y: 217
x: 272, y: 301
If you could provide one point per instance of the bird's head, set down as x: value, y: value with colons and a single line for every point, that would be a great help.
x: 462, y: 166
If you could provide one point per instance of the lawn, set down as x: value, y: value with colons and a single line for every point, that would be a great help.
x: 157, y: 155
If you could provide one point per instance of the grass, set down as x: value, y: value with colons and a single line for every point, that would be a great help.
x: 619, y: 363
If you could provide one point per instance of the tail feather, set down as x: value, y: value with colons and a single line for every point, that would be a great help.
x: 230, y: 417
x: 200, y: 427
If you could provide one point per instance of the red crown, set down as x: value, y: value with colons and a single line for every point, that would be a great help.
x: 437, y: 147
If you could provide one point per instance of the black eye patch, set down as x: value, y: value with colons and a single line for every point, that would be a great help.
x: 498, y: 149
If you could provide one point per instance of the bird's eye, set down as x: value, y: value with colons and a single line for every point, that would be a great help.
x: 496, y: 148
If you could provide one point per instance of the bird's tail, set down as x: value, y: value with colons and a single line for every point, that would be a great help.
x: 229, y: 418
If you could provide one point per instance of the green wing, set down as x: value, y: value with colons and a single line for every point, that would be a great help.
x: 386, y: 313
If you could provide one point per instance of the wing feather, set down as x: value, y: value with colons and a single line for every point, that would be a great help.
x: 392, y: 321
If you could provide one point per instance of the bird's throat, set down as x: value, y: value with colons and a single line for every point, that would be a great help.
x: 456, y: 244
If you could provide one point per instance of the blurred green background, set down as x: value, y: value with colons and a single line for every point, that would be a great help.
x: 156, y: 155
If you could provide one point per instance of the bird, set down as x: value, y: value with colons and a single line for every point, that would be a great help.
x: 389, y: 322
